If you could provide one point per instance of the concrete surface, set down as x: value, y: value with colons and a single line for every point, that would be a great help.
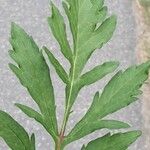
x: 31, y: 15
x: 142, y: 17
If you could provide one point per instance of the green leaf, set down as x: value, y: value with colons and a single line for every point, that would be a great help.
x: 90, y: 29
x: 58, y: 67
x: 13, y: 134
x: 31, y: 113
x: 81, y: 130
x: 33, y: 73
x: 97, y: 73
x: 84, y: 16
x: 56, y: 22
x: 119, y: 141
x: 122, y: 90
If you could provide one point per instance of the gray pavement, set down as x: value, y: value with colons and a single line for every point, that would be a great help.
x: 31, y: 15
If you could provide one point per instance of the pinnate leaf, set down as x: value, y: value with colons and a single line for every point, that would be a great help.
x: 119, y: 141
x: 87, y: 36
x: 90, y: 29
x: 33, y: 73
x: 122, y: 90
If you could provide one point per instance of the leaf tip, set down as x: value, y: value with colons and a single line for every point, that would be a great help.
x: 113, y: 19
x: 11, y: 66
x: 126, y: 125
x: 138, y: 133
x: 13, y: 25
x: 46, y: 50
x: 97, y: 94
x: 115, y: 64
x: 33, y: 136
x: 17, y: 104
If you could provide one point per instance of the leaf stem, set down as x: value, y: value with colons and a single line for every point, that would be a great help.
x: 63, y: 128
x: 68, y: 105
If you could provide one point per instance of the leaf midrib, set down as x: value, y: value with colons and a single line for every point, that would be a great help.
x: 68, y: 107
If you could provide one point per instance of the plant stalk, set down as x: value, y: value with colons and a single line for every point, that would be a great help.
x: 59, y: 143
